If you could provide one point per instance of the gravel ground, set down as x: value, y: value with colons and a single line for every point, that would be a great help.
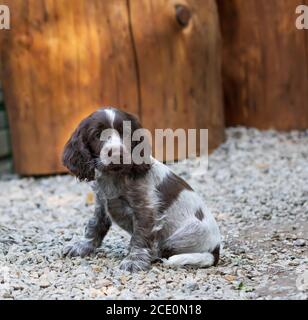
x: 257, y: 187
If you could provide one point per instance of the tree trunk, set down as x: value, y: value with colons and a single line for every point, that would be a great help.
x: 64, y: 59
x: 265, y: 64
x: 179, y: 62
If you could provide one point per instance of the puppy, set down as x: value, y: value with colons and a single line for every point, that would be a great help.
x: 166, y: 219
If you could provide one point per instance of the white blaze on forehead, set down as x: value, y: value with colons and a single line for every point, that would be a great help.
x: 111, y: 137
x: 111, y: 115
x: 115, y: 139
x: 113, y: 143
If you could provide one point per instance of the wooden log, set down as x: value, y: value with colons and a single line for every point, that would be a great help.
x: 265, y: 64
x: 179, y: 59
x: 63, y: 59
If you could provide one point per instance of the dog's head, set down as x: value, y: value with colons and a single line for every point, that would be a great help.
x: 104, y: 141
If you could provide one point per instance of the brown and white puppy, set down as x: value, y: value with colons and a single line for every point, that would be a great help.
x: 165, y: 217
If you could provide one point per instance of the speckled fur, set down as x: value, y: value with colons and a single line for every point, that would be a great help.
x: 163, y: 214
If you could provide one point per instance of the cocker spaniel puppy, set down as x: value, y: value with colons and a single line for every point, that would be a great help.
x: 166, y: 219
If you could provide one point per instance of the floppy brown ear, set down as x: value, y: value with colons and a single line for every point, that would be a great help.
x: 76, y: 155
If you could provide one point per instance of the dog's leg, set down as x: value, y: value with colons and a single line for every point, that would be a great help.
x: 95, y: 231
x: 140, y: 255
x: 121, y: 213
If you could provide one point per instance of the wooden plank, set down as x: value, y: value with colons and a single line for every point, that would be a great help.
x: 61, y: 61
x: 179, y: 65
x: 265, y: 64
x: 5, y: 146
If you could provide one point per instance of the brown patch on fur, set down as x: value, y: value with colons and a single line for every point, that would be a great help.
x: 166, y: 253
x: 199, y: 214
x: 76, y: 156
x: 169, y: 189
x: 215, y: 253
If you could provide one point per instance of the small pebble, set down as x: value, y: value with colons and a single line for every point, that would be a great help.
x: 300, y: 242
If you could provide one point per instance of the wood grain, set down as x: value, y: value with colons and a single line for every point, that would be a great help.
x: 179, y: 66
x: 265, y: 64
x: 64, y: 59
x: 61, y: 61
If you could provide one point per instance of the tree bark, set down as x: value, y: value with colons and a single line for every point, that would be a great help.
x: 265, y: 64
x: 179, y: 64
x: 64, y: 59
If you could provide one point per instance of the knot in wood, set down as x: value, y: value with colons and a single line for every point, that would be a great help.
x: 183, y: 15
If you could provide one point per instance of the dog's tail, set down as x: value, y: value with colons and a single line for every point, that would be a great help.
x: 203, y: 260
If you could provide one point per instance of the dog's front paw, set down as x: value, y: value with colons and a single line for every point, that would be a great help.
x: 82, y: 248
x: 131, y: 265
x: 137, y: 260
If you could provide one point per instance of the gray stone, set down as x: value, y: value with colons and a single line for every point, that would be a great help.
x: 300, y: 243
